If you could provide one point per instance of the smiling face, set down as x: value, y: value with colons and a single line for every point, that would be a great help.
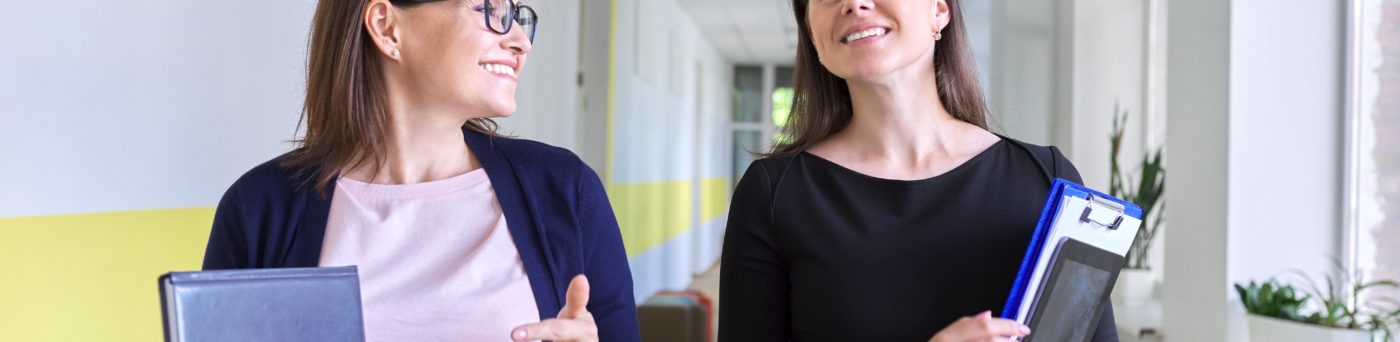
x: 866, y: 40
x: 450, y: 59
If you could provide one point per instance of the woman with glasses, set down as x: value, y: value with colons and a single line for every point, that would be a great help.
x: 459, y: 233
x: 892, y: 214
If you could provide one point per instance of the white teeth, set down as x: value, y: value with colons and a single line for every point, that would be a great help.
x: 499, y: 69
x: 872, y: 32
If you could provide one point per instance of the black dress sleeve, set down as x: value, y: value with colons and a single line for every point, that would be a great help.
x: 753, y: 276
x: 1107, y: 330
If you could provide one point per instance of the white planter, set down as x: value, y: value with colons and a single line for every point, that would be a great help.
x: 1271, y: 329
x: 1134, y: 287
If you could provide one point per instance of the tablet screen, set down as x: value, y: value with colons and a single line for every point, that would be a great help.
x: 1074, y: 301
x: 1079, y: 279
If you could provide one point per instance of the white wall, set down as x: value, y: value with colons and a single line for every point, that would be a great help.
x: 547, y: 109
x: 1109, y: 69
x: 162, y: 104
x: 114, y: 106
x: 1023, y: 68
x: 658, y: 51
x: 669, y: 124
x: 1286, y: 119
x: 1058, y: 69
x: 1286, y: 115
x: 1255, y: 118
x: 1195, y: 283
x: 594, y: 49
x: 978, y: 19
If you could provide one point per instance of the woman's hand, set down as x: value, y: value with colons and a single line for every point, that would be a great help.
x: 574, y: 323
x: 982, y: 328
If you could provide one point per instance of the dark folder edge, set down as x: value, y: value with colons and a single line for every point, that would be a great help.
x: 166, y: 282
x: 261, y: 274
x: 1060, y: 188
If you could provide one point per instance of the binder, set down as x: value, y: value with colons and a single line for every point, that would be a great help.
x: 284, y: 304
x: 1072, y: 262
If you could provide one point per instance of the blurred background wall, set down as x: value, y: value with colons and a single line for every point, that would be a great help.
x: 122, y: 123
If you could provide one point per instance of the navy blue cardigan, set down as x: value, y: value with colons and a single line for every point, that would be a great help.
x: 555, y: 207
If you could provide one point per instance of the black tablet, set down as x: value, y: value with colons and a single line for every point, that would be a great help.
x: 1079, y: 279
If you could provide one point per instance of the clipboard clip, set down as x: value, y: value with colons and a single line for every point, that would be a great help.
x: 1102, y: 212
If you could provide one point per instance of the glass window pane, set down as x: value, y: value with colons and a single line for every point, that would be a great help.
x: 782, y: 102
x: 1378, y: 212
x: 782, y: 107
x: 748, y: 94
x: 782, y: 77
x: 745, y: 141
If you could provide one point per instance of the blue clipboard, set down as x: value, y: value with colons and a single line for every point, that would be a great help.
x: 1111, y: 218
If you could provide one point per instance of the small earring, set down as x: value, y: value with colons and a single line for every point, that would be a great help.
x: 938, y: 35
x: 396, y: 53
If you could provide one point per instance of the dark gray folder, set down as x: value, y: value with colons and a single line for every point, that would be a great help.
x: 284, y: 304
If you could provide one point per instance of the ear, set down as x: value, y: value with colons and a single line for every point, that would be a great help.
x: 381, y: 21
x: 942, y: 14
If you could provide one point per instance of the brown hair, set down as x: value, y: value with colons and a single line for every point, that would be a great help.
x: 821, y: 104
x: 346, y: 110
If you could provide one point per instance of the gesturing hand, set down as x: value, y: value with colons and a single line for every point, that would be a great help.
x: 982, y: 328
x: 574, y: 323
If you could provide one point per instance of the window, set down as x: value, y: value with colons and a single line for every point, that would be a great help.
x: 782, y: 103
x: 1373, y: 173
x: 762, y: 100
x: 747, y: 119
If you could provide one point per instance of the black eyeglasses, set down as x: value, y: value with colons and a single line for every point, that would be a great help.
x: 501, y: 14
x: 500, y: 18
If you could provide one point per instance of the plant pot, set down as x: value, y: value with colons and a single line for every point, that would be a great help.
x: 1263, y: 328
x: 1134, y: 287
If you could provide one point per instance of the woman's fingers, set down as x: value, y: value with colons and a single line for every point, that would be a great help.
x: 982, y: 327
x: 576, y: 300
x: 1000, y: 327
x: 575, y: 323
x: 556, y: 330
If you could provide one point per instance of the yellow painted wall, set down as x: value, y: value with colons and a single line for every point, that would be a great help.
x: 651, y: 213
x: 92, y: 277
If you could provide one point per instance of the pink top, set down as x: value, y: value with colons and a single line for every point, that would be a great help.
x: 436, y: 261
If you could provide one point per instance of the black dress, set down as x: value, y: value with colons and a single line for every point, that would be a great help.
x: 818, y: 252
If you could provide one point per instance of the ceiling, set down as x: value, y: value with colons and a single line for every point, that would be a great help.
x: 747, y: 31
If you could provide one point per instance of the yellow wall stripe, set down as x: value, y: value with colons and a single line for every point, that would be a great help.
x: 612, y: 93
x: 92, y: 277
x: 651, y: 213
x: 714, y: 198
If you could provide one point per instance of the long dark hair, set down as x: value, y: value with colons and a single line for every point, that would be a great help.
x: 821, y: 104
x: 346, y: 109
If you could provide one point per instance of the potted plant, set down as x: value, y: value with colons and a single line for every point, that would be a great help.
x: 1344, y: 311
x: 1136, y: 282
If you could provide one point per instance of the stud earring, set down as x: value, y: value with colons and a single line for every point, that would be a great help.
x: 396, y: 53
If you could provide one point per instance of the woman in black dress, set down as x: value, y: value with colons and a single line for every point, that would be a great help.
x: 893, y: 214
